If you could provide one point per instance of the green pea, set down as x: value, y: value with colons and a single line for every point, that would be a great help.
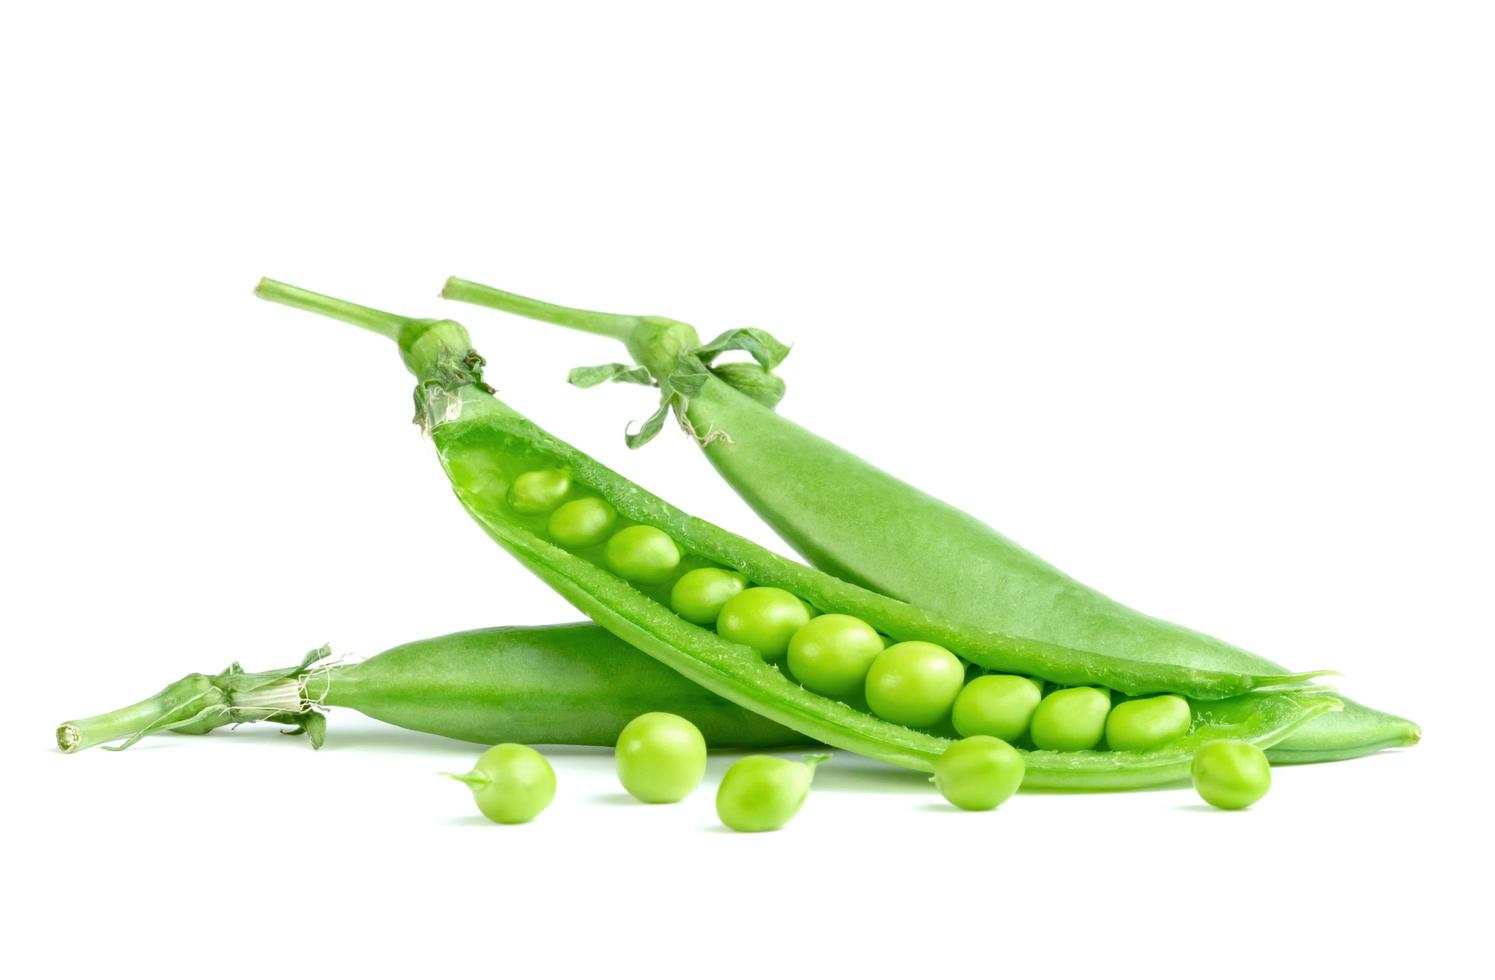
x: 581, y: 523
x: 1231, y: 774
x: 699, y: 594
x: 979, y: 773
x: 1000, y: 705
x: 511, y: 783
x: 831, y: 655
x: 762, y: 618
x: 761, y: 792
x: 1071, y: 719
x: 914, y: 683
x: 538, y: 491
x: 642, y: 554
x: 477, y: 475
x: 1136, y: 726
x: 660, y: 757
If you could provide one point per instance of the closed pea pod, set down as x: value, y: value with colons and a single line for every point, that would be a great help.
x: 582, y: 523
x: 762, y: 792
x: 699, y: 594
x: 660, y: 757
x: 572, y: 684
x: 1071, y: 719
x: 510, y: 783
x: 1146, y: 723
x: 831, y: 655
x: 999, y: 705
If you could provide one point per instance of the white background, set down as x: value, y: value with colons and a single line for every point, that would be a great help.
x: 1194, y: 300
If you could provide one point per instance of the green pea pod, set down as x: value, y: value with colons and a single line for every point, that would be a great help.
x: 484, y: 444
x: 542, y: 685
x: 561, y: 685
x: 947, y: 562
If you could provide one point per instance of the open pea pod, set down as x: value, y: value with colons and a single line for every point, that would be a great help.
x: 947, y: 561
x: 486, y: 446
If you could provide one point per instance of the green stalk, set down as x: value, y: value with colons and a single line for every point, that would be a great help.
x: 142, y: 716
x: 194, y: 705
x: 384, y: 324
x: 614, y: 325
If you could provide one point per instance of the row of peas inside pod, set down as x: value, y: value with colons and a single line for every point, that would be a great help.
x: 914, y: 683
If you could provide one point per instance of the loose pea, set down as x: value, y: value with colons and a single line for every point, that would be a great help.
x: 581, y: 523
x: 1231, y: 774
x: 642, y: 554
x: 831, y: 654
x: 511, y: 783
x: 979, y: 773
x: 761, y: 792
x: 914, y: 683
x: 661, y: 757
x: 1071, y: 719
x: 1000, y: 705
x: 699, y: 594
x: 763, y: 618
x: 538, y: 491
x: 1136, y: 726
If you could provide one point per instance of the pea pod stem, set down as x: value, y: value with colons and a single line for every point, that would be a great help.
x: 614, y: 325
x: 195, y: 704
x: 111, y: 726
x: 127, y: 723
x: 380, y: 322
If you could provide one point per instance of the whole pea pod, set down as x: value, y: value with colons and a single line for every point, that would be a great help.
x: 613, y: 549
x: 541, y: 685
x: 947, y: 561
